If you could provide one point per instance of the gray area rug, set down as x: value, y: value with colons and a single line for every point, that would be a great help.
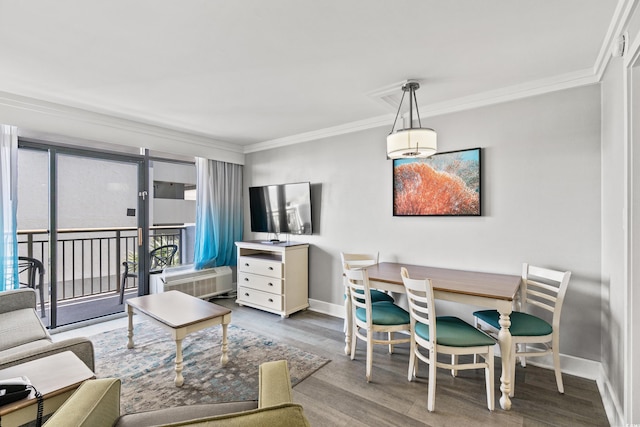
x: 147, y: 371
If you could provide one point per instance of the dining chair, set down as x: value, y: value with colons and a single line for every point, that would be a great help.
x: 542, y: 288
x: 444, y: 335
x: 370, y: 318
x: 360, y: 261
x: 159, y: 258
x: 33, y: 268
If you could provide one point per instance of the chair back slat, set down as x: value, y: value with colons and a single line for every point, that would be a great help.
x: 534, y: 284
x: 358, y: 282
x: 544, y: 288
x: 547, y: 273
x: 541, y: 305
x: 535, y: 297
x: 421, y: 302
x: 358, y: 260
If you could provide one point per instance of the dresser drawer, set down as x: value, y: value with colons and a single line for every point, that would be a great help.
x: 261, y: 283
x: 265, y: 299
x: 260, y: 266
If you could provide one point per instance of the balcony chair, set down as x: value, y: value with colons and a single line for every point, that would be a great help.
x: 360, y: 261
x: 160, y: 258
x: 542, y: 288
x: 444, y: 334
x: 383, y: 316
x: 32, y: 267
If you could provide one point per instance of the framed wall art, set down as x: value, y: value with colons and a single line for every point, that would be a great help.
x: 445, y: 184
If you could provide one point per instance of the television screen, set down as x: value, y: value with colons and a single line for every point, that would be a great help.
x: 284, y: 208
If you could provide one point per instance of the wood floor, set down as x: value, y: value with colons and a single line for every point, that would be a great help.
x: 338, y: 393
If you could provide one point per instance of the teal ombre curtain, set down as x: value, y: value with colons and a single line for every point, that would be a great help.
x: 8, y: 194
x: 219, y: 213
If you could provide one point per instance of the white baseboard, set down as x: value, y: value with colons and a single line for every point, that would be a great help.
x: 611, y: 403
x: 329, y: 309
x: 571, y: 365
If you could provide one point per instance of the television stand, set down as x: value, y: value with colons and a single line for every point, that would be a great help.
x: 273, y: 276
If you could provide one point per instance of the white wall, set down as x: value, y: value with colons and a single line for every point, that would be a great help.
x: 540, y: 196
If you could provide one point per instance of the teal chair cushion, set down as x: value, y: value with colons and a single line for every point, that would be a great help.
x: 377, y: 296
x: 522, y: 324
x: 455, y: 332
x: 384, y: 313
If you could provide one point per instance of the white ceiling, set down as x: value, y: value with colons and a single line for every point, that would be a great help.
x: 257, y: 71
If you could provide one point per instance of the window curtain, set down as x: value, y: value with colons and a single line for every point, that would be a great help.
x: 219, y: 213
x: 8, y: 194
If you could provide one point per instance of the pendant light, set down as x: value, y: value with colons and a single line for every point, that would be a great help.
x: 411, y: 142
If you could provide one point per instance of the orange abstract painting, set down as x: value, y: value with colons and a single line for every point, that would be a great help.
x: 443, y: 184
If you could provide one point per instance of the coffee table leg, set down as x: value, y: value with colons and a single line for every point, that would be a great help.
x: 179, y: 380
x: 225, y: 345
x: 130, y: 334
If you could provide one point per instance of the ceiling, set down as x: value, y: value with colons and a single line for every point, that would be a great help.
x: 250, y: 72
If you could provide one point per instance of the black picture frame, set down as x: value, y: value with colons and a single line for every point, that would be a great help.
x: 445, y: 184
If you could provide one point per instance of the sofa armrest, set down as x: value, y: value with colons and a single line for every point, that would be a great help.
x: 17, y: 299
x: 275, y: 384
x: 81, y: 347
x: 94, y: 403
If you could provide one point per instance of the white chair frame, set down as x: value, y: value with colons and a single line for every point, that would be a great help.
x: 422, y: 309
x: 546, y: 289
x: 358, y: 280
x: 354, y: 261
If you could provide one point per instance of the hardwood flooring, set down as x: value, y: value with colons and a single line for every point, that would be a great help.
x: 338, y: 393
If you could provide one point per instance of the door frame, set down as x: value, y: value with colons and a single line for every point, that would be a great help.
x: 631, y: 84
x: 142, y: 162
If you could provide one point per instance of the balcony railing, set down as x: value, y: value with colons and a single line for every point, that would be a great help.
x: 90, y: 259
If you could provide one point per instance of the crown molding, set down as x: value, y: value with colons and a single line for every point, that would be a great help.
x: 24, y: 107
x: 511, y: 93
x: 356, y: 126
x: 620, y: 20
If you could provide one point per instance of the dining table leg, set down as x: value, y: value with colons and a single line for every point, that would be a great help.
x: 504, y: 340
x: 347, y: 323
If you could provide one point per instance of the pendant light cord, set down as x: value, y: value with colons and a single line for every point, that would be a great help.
x: 415, y: 102
x: 397, y: 113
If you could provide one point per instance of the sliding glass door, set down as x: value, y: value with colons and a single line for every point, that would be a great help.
x: 83, y: 213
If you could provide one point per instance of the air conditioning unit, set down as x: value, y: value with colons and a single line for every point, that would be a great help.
x: 198, y: 283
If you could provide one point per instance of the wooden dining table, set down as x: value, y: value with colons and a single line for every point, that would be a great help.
x: 488, y: 290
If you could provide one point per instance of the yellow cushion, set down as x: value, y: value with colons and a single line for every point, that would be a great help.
x: 285, y: 415
x: 94, y: 403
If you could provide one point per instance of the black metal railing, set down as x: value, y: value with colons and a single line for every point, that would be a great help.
x: 90, y: 259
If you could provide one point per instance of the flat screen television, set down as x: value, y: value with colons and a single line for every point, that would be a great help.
x: 284, y: 208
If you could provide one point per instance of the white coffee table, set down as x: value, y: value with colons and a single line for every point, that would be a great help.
x: 180, y: 314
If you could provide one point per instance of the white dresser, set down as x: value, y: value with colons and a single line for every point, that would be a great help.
x: 273, y: 277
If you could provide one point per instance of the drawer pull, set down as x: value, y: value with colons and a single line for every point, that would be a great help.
x: 270, y: 284
x: 271, y: 268
x: 246, y: 279
x: 246, y: 294
x: 270, y: 299
x: 246, y: 264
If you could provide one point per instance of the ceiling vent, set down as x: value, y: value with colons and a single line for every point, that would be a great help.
x: 389, y: 96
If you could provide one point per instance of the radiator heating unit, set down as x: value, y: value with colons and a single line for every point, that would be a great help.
x: 198, y: 283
